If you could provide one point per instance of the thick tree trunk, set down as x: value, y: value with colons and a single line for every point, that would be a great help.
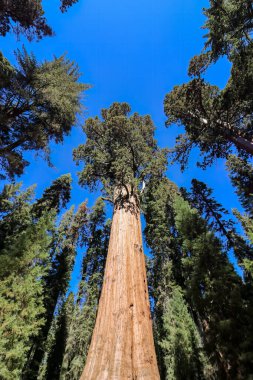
x: 244, y: 144
x: 122, y: 345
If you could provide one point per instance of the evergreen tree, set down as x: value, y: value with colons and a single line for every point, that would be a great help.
x: 26, y: 16
x: 17, y: 211
x: 202, y: 309
x: 217, y: 121
x: 217, y: 217
x: 27, y: 231
x: 54, y: 197
x: 216, y: 295
x: 229, y: 25
x: 24, y: 262
x: 15, y: 215
x: 120, y: 152
x: 62, y: 256
x: 73, y: 322
x: 247, y: 224
x: 80, y: 329
x: 201, y: 197
x: 180, y: 350
x: 181, y: 344
x: 241, y: 175
x: 55, y: 354
x: 38, y: 104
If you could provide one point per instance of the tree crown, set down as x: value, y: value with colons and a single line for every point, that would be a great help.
x: 38, y: 103
x: 120, y: 149
x: 27, y: 17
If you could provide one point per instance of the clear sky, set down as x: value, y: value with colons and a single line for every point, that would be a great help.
x: 132, y: 51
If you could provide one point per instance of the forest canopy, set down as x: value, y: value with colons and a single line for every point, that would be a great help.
x: 113, y: 264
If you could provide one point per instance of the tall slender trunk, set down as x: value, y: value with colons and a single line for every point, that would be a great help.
x: 122, y: 345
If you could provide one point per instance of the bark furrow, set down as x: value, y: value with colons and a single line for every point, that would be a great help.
x: 122, y: 345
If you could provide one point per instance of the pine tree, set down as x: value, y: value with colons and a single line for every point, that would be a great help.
x: 38, y: 104
x: 217, y: 121
x: 216, y: 295
x: 26, y: 17
x: 55, y: 196
x: 70, y: 331
x: 217, y: 217
x: 62, y: 256
x: 24, y: 263
x: 56, y: 353
x: 241, y: 174
x: 120, y: 152
x: 29, y: 257
x: 180, y: 349
x: 229, y: 26
x: 247, y: 224
x: 180, y: 343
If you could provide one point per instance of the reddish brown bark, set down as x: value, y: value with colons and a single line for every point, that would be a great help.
x: 122, y: 345
x: 243, y: 143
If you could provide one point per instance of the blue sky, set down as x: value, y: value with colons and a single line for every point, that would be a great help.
x: 133, y: 51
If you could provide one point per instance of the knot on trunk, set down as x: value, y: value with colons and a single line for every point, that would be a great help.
x: 127, y: 198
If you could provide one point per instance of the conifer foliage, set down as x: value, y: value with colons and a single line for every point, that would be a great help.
x: 201, y: 308
x: 241, y: 174
x: 225, y: 316
x: 188, y: 270
x: 217, y: 121
x: 27, y: 17
x: 85, y: 307
x: 180, y: 350
x: 25, y: 262
x: 218, y: 219
x: 38, y: 104
x: 62, y: 257
x: 120, y: 150
x: 119, y: 154
x: 36, y: 261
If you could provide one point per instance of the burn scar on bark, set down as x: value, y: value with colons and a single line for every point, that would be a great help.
x: 138, y: 247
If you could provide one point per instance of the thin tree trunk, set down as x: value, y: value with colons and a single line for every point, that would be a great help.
x: 122, y: 345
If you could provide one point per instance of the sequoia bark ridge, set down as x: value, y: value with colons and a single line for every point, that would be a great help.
x: 122, y: 345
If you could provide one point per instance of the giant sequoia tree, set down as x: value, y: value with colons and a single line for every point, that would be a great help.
x: 120, y: 152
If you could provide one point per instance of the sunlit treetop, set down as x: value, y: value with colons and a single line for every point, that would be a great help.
x: 120, y: 150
